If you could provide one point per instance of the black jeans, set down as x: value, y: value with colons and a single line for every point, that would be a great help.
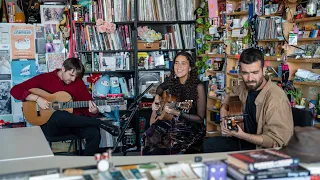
x: 63, y: 122
x: 225, y: 144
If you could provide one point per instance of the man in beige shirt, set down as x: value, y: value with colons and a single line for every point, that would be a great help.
x: 268, y: 121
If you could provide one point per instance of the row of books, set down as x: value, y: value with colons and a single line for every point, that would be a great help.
x: 89, y: 39
x: 180, y: 39
x: 265, y: 164
x: 109, y: 10
x: 166, y: 10
x: 269, y: 28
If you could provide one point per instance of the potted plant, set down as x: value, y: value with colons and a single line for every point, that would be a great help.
x: 297, y: 95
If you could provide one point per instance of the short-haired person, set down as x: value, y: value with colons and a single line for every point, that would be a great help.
x: 82, y: 121
x: 268, y: 122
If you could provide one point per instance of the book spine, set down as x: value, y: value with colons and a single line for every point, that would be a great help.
x: 273, y: 164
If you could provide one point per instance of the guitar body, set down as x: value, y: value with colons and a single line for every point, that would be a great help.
x: 39, y: 118
x: 235, y: 114
x: 167, y: 101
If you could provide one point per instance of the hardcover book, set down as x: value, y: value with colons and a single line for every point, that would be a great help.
x: 280, y: 172
x: 261, y: 159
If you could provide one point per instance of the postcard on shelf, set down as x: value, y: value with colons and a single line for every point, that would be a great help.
x: 107, y: 63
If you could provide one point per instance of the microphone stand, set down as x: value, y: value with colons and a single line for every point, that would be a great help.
x: 134, y: 107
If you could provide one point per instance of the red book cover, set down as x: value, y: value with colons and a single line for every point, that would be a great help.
x: 261, y: 159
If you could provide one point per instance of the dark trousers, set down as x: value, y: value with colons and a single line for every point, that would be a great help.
x: 225, y: 144
x: 63, y: 122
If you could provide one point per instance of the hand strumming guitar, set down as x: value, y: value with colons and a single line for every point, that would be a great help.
x: 43, y: 103
x: 172, y: 111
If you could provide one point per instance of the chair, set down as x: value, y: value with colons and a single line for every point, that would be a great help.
x: 75, y: 140
x: 302, y: 117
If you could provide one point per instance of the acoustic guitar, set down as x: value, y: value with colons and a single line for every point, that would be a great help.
x: 235, y: 114
x: 170, y: 100
x: 59, y: 101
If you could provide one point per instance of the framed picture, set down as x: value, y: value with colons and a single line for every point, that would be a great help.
x: 51, y: 14
x: 164, y: 44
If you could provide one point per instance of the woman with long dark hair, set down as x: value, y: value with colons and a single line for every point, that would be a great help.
x: 176, y: 136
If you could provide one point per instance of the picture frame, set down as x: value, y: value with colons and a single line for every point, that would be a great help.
x: 164, y: 44
x: 51, y: 14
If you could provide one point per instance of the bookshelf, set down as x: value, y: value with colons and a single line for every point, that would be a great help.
x: 159, y: 25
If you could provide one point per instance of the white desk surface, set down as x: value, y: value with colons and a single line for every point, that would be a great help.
x: 78, y: 161
x: 23, y: 143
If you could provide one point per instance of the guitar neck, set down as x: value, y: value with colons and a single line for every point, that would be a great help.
x: 82, y: 104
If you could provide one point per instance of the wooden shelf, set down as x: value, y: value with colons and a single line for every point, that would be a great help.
x: 306, y: 83
x: 213, y: 110
x: 237, y: 13
x: 304, y: 60
x: 213, y: 133
x: 234, y: 56
x: 270, y: 15
x: 233, y: 74
x: 213, y: 123
x: 214, y: 71
x: 215, y: 41
x: 308, y: 39
x: 214, y: 98
x: 273, y: 58
x: 317, y: 18
x: 212, y: 55
x: 270, y: 40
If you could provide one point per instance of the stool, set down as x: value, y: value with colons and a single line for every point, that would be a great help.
x: 77, y: 141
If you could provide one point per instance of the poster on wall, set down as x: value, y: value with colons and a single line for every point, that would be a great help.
x: 41, y: 63
x: 54, y: 61
x: 5, y: 98
x: 4, y: 33
x: 5, y: 65
x: 51, y: 14
x: 22, y: 42
x: 22, y: 70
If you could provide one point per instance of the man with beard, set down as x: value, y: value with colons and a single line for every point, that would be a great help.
x: 268, y: 119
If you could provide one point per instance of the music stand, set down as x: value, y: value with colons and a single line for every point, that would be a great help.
x: 135, y: 106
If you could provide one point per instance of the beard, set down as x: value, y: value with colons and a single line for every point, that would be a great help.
x: 254, y: 85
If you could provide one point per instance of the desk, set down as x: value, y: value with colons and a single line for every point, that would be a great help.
x: 76, y: 161
x: 23, y: 143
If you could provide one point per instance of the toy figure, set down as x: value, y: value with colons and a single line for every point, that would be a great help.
x: 102, y: 86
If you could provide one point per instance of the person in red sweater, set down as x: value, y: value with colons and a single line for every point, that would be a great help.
x: 82, y: 122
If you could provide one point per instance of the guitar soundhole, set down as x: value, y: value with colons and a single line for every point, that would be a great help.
x: 55, y: 105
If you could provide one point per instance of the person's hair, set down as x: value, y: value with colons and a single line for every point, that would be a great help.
x: 251, y: 55
x: 74, y: 64
x: 190, y: 86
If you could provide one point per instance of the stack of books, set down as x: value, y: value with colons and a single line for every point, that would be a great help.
x: 265, y: 164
